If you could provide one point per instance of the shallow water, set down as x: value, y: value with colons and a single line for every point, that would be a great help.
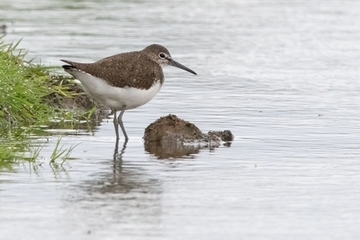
x: 282, y: 76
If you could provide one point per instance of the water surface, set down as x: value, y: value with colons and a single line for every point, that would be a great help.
x: 282, y: 76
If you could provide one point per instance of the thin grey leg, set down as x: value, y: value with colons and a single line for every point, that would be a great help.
x: 116, y: 126
x: 122, y: 124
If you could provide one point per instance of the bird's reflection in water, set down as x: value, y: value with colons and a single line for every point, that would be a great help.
x: 117, y: 154
x: 117, y: 158
x: 121, y: 178
x: 123, y: 193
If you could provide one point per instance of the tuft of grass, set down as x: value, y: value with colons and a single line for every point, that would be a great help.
x: 60, y: 153
x: 35, y: 153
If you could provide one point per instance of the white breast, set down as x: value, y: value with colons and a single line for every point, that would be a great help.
x: 115, y: 97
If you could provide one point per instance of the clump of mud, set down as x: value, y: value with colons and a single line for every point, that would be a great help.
x: 171, y: 136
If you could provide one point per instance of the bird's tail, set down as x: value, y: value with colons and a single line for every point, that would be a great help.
x: 68, y: 67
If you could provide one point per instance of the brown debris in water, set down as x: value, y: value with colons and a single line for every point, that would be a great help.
x: 225, y: 136
x: 171, y: 136
x: 172, y: 129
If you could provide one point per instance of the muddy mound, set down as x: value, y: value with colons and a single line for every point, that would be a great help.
x: 172, y: 129
x: 171, y: 136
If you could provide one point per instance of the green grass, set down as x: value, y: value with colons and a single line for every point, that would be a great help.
x: 22, y: 87
x: 60, y: 153
x: 31, y: 96
x: 21, y: 91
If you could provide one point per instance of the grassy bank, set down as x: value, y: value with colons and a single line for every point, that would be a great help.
x: 30, y: 96
x: 22, y: 88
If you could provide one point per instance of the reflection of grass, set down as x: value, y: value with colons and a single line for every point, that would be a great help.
x: 30, y: 97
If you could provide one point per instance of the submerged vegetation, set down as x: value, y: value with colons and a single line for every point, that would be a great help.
x: 31, y: 96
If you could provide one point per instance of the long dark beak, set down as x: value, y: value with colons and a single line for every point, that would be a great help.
x: 178, y: 65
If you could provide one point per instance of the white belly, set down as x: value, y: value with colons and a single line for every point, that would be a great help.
x: 114, y: 97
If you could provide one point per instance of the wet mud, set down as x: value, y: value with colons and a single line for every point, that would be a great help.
x: 172, y: 137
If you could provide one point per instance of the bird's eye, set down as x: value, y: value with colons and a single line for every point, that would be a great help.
x: 162, y: 55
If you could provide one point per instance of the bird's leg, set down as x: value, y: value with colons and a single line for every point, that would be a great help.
x: 116, y: 126
x: 122, y: 124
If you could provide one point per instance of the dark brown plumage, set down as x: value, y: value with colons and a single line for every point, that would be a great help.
x: 134, y: 69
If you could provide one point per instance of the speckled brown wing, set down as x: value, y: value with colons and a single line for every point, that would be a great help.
x: 133, y: 69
